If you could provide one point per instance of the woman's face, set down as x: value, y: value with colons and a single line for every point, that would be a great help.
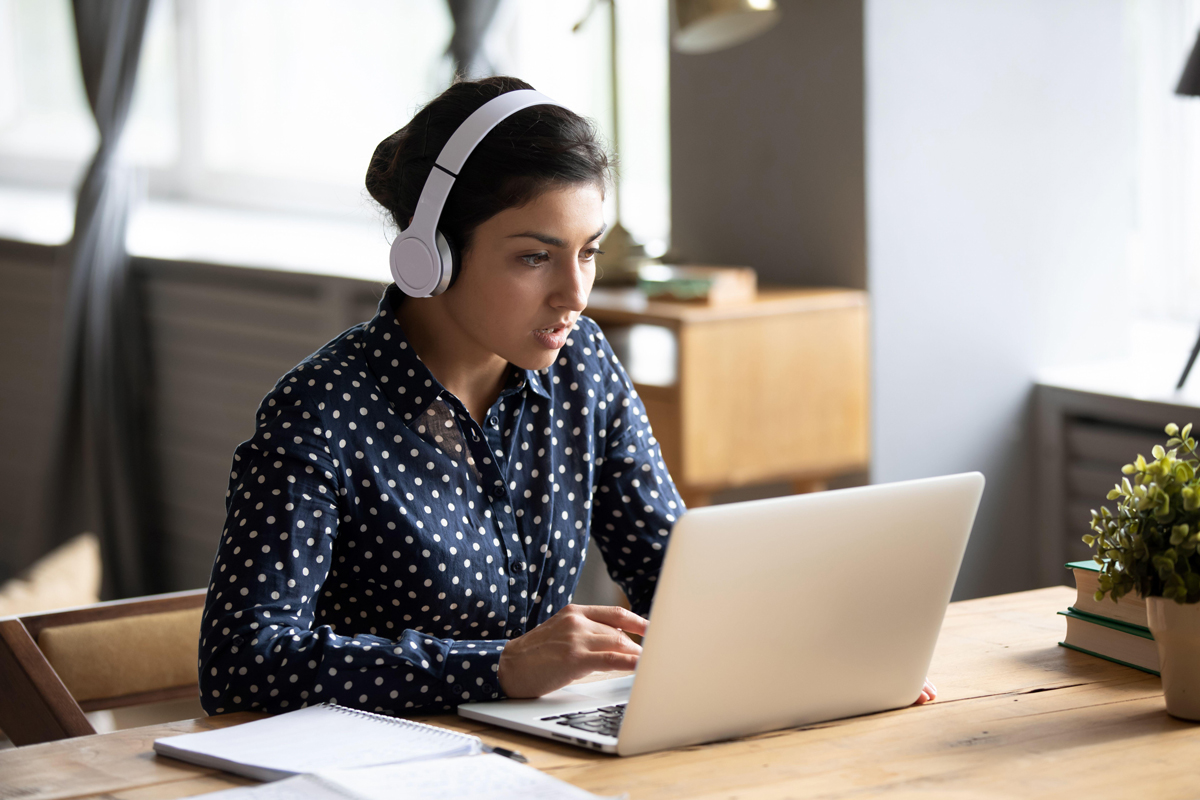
x: 527, y: 274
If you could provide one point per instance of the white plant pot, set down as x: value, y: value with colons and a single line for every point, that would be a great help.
x: 1176, y: 629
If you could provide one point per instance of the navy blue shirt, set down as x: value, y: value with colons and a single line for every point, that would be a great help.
x: 382, y: 546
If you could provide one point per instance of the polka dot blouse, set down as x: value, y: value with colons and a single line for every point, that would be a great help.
x: 381, y: 546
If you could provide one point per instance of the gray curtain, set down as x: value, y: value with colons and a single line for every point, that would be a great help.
x: 472, y: 18
x: 102, y: 478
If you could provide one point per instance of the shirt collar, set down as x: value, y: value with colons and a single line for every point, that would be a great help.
x: 406, y: 381
x: 535, y: 381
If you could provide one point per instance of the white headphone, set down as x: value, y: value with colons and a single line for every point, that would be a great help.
x: 421, y: 260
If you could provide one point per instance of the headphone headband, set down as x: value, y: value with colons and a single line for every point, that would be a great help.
x: 421, y: 261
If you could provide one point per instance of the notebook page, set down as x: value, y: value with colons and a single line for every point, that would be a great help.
x: 316, y: 738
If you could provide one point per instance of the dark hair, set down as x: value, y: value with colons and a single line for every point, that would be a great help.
x: 533, y: 150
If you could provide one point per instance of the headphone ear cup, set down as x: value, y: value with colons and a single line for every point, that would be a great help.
x: 415, y: 269
x: 449, y: 266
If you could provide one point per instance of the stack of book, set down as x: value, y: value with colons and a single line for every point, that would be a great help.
x: 1102, y: 628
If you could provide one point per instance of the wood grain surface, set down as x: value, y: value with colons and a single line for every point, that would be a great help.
x: 623, y: 306
x: 1016, y: 715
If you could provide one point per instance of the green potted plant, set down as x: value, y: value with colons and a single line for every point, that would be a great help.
x: 1151, y: 545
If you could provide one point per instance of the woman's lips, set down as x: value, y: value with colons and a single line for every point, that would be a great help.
x: 552, y: 338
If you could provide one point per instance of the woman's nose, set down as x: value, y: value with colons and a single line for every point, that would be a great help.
x: 572, y: 292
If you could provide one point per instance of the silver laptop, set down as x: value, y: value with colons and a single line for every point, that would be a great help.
x: 775, y: 614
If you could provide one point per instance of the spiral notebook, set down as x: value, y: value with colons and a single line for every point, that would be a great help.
x: 316, y: 738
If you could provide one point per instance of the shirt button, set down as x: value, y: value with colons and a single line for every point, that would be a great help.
x: 518, y: 565
x: 493, y: 421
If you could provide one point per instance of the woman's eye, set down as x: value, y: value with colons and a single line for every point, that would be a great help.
x: 591, y: 253
x: 536, y: 259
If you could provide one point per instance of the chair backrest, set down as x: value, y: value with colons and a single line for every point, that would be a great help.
x: 56, y: 665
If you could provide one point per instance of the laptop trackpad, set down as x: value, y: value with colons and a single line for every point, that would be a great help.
x: 580, y: 697
x: 612, y: 689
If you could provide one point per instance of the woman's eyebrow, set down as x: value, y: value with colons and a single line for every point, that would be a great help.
x: 554, y: 241
x: 541, y: 237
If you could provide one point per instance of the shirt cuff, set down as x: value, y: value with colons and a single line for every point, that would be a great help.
x: 472, y: 670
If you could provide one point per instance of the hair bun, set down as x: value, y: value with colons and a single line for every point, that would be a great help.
x: 380, y: 173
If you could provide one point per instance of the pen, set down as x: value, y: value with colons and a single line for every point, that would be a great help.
x: 503, y: 751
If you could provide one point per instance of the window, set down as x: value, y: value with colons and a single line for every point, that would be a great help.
x: 46, y: 131
x: 278, y: 104
x: 1165, y: 251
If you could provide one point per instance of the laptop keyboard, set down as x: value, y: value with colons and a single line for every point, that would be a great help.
x: 605, y: 721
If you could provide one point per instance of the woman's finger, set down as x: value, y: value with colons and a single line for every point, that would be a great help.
x: 611, y: 639
x: 616, y: 617
x: 608, y: 661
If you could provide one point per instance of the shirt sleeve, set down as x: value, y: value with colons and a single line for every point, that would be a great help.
x: 635, y: 503
x: 260, y: 646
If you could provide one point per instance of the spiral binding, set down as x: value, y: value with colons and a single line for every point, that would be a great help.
x: 406, y: 723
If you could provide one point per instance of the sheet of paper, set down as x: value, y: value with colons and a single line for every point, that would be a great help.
x: 301, y: 787
x: 483, y: 777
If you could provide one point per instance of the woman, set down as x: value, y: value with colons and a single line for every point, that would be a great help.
x: 406, y: 527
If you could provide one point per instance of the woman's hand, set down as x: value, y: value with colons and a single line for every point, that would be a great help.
x: 576, y: 641
x: 927, y: 694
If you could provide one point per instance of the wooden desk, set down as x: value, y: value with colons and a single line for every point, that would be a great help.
x: 766, y: 391
x: 1016, y: 716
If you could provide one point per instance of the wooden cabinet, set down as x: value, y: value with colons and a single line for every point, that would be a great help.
x: 766, y: 391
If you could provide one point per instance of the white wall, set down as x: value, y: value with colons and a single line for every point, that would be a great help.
x: 999, y: 204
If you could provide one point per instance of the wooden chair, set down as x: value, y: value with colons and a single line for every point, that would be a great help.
x: 56, y: 665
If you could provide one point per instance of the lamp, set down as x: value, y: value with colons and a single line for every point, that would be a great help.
x: 1189, y: 81
x: 618, y: 264
x: 705, y: 26
x: 1189, y: 86
x: 701, y: 26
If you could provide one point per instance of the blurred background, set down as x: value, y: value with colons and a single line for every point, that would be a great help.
x: 1007, y: 191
